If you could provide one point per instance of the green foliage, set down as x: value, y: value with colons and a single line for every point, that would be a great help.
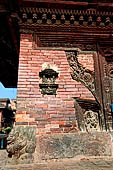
x: 6, y: 130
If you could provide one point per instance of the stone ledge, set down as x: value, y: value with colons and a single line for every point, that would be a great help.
x: 59, y: 146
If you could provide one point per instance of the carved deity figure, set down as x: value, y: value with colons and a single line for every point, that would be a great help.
x: 91, y: 121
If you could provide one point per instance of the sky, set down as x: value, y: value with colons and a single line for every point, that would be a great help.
x: 7, y: 92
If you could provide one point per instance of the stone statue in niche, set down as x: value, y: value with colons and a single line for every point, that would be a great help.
x: 88, y: 114
x: 48, y: 85
x: 21, y: 145
x: 91, y: 121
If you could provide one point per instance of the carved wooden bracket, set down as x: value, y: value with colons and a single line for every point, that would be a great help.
x: 80, y: 73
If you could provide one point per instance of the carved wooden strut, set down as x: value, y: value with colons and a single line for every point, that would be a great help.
x: 80, y: 73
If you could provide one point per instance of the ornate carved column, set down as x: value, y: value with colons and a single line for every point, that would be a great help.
x: 105, y: 68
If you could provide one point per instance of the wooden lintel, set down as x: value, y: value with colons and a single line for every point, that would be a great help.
x: 68, y: 4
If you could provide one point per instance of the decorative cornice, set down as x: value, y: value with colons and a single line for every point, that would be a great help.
x: 58, y: 17
x: 65, y: 11
x: 63, y: 27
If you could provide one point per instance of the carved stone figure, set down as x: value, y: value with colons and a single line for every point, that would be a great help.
x: 91, y: 121
x: 48, y: 85
x: 18, y: 145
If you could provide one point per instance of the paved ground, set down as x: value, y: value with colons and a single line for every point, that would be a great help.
x: 67, y: 164
x: 103, y: 163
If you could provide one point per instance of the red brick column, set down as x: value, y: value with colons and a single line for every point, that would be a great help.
x: 50, y: 113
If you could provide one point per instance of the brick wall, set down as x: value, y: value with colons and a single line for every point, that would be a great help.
x: 50, y: 113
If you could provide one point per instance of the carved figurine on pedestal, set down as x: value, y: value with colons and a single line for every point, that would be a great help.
x: 48, y: 85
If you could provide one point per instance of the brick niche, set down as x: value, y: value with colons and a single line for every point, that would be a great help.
x: 49, y: 113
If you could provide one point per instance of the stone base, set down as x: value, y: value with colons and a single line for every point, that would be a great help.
x: 58, y: 146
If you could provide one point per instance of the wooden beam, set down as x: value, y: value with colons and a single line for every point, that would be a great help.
x: 13, y: 34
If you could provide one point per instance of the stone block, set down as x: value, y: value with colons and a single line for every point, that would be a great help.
x: 58, y: 146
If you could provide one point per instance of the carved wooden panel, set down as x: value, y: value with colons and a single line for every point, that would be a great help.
x: 105, y: 70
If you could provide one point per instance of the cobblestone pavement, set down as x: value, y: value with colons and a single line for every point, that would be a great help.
x: 66, y: 164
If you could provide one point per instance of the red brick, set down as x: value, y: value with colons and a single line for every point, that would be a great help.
x: 48, y: 109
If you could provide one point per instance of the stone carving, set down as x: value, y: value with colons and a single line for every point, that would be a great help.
x: 48, y: 85
x: 60, y: 146
x: 19, y: 146
x: 80, y: 73
x: 82, y: 106
x: 91, y: 121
